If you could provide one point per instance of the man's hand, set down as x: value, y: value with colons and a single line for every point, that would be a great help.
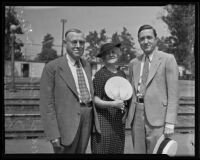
x: 57, y: 146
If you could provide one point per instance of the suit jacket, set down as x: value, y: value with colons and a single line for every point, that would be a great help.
x: 161, y: 97
x: 59, y: 102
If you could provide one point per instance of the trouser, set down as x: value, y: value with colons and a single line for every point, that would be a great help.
x: 80, y: 142
x: 144, y: 135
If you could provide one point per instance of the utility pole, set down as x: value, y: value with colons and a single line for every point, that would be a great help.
x: 63, y: 21
x: 12, y: 35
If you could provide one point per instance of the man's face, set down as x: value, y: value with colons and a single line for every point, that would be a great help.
x: 147, y: 41
x: 75, y: 44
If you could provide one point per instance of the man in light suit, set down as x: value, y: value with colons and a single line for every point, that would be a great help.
x: 68, y: 118
x: 153, y: 108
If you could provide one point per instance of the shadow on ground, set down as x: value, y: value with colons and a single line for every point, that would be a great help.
x: 186, y: 145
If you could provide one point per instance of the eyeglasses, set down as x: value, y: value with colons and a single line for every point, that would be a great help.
x: 75, y: 42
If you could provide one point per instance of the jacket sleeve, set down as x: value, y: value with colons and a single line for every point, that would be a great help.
x: 47, y: 102
x: 172, y: 90
x: 130, y: 80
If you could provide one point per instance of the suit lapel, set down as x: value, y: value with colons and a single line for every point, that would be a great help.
x: 66, y: 74
x: 154, y: 66
x: 136, y: 72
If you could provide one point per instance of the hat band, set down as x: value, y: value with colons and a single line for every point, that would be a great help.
x: 162, y: 145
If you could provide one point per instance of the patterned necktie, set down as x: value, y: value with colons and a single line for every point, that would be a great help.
x: 84, y: 93
x: 144, y: 75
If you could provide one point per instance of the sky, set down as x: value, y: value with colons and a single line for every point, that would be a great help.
x: 45, y: 20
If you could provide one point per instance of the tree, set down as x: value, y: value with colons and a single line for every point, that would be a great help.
x: 181, y: 23
x: 167, y: 44
x: 95, y: 40
x: 11, y: 19
x: 127, y: 47
x: 47, y: 53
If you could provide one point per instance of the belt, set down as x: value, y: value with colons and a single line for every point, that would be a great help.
x: 87, y: 104
x: 140, y: 99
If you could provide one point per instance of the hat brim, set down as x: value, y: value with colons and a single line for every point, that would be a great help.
x: 170, y: 148
x: 103, y: 53
x: 159, y: 141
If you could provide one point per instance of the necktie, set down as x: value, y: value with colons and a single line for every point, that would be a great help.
x: 144, y: 75
x: 84, y: 93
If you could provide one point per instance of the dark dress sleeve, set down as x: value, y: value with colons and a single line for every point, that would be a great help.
x: 98, y: 85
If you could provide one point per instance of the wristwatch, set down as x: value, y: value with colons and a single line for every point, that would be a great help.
x: 54, y: 140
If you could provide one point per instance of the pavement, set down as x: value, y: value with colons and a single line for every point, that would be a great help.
x: 185, y: 142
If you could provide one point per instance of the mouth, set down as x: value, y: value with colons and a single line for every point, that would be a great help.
x: 77, y: 51
x: 113, y: 57
x: 113, y: 60
x: 147, y: 46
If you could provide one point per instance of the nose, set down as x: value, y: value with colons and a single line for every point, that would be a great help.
x: 78, y: 44
x: 111, y: 54
x: 145, y: 40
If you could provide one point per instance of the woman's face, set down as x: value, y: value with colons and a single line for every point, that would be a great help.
x: 113, y: 56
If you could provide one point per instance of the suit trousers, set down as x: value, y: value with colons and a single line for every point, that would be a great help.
x: 144, y: 135
x: 80, y: 142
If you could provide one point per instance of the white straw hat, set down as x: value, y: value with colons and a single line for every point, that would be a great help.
x: 165, y: 146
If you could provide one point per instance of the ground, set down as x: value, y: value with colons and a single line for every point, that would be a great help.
x: 37, y: 146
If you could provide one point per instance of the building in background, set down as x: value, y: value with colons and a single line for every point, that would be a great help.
x: 24, y: 69
x: 33, y: 69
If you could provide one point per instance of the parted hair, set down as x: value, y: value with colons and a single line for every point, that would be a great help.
x: 72, y: 30
x: 146, y: 26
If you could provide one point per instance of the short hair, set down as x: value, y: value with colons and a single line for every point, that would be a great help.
x: 72, y: 30
x: 146, y: 26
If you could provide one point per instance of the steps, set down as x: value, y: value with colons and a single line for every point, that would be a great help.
x: 186, y: 115
x: 22, y: 115
x: 22, y: 118
x: 23, y: 83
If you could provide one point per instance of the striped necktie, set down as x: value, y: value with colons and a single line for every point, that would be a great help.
x: 145, y: 74
x: 84, y: 93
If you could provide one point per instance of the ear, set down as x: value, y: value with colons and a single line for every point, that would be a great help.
x: 64, y: 41
x: 157, y: 40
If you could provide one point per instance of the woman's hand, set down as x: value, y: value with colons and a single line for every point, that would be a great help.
x: 118, y: 104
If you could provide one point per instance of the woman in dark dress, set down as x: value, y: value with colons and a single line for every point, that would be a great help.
x: 110, y: 115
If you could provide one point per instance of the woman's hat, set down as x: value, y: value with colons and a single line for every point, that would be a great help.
x: 165, y: 146
x: 106, y: 47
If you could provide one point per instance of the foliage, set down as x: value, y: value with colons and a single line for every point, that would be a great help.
x: 181, y: 23
x: 95, y: 41
x: 167, y: 44
x: 47, y: 53
x: 11, y: 19
x: 127, y: 47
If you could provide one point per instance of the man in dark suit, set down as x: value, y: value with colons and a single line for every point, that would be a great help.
x: 154, y: 78
x: 66, y: 93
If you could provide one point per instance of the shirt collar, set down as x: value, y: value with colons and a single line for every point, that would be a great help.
x: 151, y: 55
x: 70, y: 60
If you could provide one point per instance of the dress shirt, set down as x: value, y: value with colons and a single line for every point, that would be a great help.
x: 142, y: 65
x: 71, y: 63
